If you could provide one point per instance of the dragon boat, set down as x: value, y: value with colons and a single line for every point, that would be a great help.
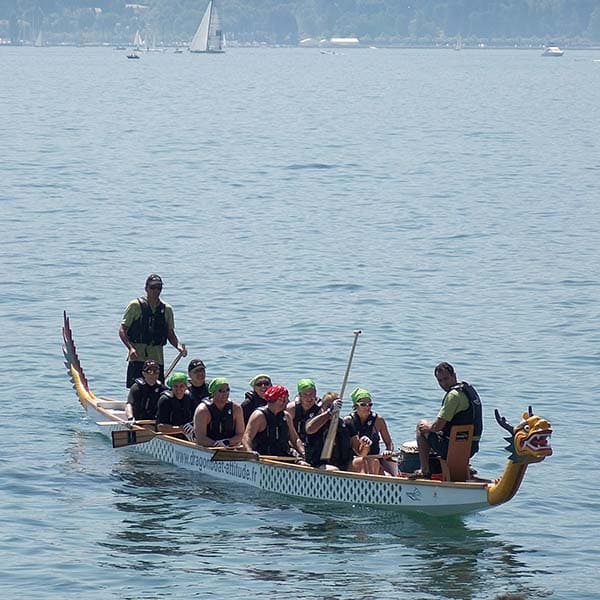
x: 528, y: 442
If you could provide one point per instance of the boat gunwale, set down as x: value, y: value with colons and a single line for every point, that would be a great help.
x: 398, y: 480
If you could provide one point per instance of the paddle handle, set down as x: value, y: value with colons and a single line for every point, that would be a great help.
x: 330, y: 439
x: 173, y: 364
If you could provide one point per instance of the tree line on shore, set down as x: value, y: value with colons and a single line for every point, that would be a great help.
x: 382, y: 22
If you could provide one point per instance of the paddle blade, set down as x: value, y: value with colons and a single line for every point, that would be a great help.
x: 128, y: 437
x: 227, y: 454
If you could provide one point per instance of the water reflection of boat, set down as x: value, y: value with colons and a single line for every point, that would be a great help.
x: 529, y: 443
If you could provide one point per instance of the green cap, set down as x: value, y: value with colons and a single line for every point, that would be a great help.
x: 359, y: 394
x: 216, y: 383
x: 306, y: 384
x: 259, y: 376
x: 177, y: 377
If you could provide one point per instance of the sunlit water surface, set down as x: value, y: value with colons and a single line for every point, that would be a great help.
x: 446, y: 203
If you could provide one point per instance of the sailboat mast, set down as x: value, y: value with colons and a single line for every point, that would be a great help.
x: 210, y: 16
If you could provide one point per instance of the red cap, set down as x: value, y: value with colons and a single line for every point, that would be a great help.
x: 276, y: 392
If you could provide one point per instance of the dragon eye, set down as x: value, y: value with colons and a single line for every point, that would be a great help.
x: 526, y: 427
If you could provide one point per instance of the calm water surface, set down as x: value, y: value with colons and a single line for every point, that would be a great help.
x: 446, y: 203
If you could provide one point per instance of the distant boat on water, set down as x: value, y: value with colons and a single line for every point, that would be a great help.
x: 209, y: 38
x: 458, y: 45
x: 138, y: 41
x: 133, y: 54
x: 553, y: 51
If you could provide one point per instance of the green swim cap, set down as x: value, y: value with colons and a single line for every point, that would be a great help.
x: 359, y: 394
x: 306, y: 384
x: 177, y: 377
x: 216, y: 383
x: 259, y: 376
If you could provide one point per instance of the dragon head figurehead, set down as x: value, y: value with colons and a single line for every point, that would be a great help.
x: 529, y: 441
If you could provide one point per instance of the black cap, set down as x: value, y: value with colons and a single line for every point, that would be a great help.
x: 153, y: 278
x: 150, y: 364
x: 194, y: 364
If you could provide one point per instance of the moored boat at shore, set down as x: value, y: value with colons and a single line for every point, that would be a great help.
x: 528, y: 443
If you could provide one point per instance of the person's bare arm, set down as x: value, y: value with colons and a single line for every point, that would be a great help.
x: 256, y: 424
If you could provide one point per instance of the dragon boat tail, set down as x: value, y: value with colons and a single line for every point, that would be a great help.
x: 528, y: 442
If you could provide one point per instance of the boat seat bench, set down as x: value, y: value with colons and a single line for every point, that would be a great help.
x: 456, y: 465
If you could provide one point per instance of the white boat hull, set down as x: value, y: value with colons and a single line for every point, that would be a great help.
x: 430, y: 497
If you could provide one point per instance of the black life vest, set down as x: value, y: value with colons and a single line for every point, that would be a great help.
x: 172, y: 411
x: 251, y: 402
x: 221, y: 424
x: 342, y: 453
x: 199, y: 395
x: 151, y: 327
x: 301, y: 417
x: 367, y: 428
x: 472, y: 415
x: 145, y: 398
x: 275, y: 438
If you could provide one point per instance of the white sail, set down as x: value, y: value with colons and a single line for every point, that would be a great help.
x: 209, y: 35
x: 138, y: 42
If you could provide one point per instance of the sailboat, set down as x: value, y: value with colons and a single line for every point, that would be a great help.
x: 209, y: 36
x: 39, y: 41
x: 458, y: 45
x: 138, y: 41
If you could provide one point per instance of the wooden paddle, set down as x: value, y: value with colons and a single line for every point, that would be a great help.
x: 128, y: 437
x: 128, y: 423
x: 174, y: 363
x: 330, y: 439
x: 229, y: 454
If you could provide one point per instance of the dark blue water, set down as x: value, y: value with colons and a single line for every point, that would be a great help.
x: 446, y: 203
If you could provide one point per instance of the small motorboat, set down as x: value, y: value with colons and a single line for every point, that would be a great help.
x: 552, y: 51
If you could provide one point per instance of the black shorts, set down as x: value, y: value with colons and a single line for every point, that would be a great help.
x: 438, y: 442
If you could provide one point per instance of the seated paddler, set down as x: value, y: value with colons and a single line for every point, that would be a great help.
x: 367, y: 423
x: 142, y: 399
x: 174, y: 414
x: 220, y: 422
x: 270, y: 429
x: 346, y: 444
x: 256, y: 397
x: 461, y: 405
x: 304, y: 407
x: 197, y: 382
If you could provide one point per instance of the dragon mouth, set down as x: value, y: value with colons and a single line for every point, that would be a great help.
x: 539, y: 442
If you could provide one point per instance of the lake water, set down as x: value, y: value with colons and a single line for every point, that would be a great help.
x: 446, y: 203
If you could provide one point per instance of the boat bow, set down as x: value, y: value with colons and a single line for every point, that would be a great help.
x: 529, y: 442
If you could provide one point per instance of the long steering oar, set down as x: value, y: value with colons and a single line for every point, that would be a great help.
x: 174, y: 363
x: 330, y: 439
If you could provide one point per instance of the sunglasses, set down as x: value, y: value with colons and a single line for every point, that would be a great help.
x: 223, y: 390
x: 155, y: 287
x: 151, y: 371
x: 363, y: 404
x: 262, y: 384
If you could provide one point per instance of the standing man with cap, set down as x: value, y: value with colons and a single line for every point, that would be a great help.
x: 147, y: 325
